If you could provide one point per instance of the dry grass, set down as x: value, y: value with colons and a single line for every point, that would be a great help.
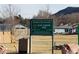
x: 57, y: 51
x: 62, y: 39
x: 10, y: 47
x: 40, y: 44
x: 43, y: 44
x: 5, y: 40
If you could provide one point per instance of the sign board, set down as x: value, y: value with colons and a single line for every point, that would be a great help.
x: 41, y: 26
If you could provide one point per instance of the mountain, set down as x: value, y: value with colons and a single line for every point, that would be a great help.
x: 68, y: 10
x: 69, y: 15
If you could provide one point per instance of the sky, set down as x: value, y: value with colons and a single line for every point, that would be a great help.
x: 28, y: 10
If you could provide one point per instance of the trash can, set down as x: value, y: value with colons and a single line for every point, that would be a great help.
x: 23, y: 46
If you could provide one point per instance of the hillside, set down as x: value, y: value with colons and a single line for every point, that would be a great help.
x: 69, y: 15
x: 68, y: 10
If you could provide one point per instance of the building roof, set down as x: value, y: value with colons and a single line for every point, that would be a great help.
x: 19, y: 26
x: 62, y: 27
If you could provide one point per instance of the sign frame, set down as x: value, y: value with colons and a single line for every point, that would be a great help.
x: 40, y: 34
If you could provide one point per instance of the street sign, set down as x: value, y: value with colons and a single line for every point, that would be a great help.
x: 41, y: 26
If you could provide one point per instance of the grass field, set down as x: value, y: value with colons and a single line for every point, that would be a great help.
x: 11, y: 48
x: 62, y: 39
x: 9, y: 42
x: 40, y: 44
x: 43, y: 44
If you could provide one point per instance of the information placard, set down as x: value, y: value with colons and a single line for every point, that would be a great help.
x: 41, y: 26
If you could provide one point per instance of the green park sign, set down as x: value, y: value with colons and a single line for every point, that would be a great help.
x: 41, y: 26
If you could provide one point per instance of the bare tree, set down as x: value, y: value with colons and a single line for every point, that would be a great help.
x: 44, y: 14
x: 9, y: 11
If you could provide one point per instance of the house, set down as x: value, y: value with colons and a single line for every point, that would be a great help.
x: 64, y: 29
